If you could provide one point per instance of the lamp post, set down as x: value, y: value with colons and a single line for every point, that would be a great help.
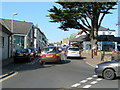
x: 13, y: 14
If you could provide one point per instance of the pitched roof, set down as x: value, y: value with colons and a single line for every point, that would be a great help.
x: 19, y: 27
x: 104, y: 29
x: 4, y: 29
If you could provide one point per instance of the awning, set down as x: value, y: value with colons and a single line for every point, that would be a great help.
x: 105, y: 38
x: 108, y: 43
x: 117, y: 39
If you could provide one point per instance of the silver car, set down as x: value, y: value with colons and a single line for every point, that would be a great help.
x: 108, y: 70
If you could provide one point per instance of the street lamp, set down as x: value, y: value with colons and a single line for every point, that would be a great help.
x: 13, y: 14
x: 12, y: 21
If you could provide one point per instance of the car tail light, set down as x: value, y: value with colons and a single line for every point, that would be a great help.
x: 41, y: 55
x: 34, y: 51
x: 79, y: 52
x: 66, y: 52
x: 27, y: 53
x: 56, y: 54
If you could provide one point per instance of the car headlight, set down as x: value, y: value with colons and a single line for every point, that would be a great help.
x: 96, y: 66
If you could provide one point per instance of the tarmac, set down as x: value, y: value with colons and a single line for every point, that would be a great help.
x: 87, y: 57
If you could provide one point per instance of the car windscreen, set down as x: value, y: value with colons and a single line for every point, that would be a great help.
x: 49, y: 50
x: 73, y: 49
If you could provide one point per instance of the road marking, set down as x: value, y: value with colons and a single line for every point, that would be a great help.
x: 89, y: 78
x: 1, y: 80
x: 90, y: 64
x: 87, y: 86
x: 99, y: 79
x: 94, y: 82
x: 75, y: 85
x: 83, y: 81
x: 94, y: 76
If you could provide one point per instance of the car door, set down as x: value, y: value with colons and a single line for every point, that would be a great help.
x: 119, y: 67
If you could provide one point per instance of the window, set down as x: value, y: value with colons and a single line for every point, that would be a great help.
x: 103, y: 33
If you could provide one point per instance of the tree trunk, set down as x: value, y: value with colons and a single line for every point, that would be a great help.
x: 93, y: 41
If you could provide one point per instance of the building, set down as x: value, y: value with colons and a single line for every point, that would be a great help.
x: 83, y: 41
x: 23, y: 35
x: 101, y: 44
x: 65, y: 41
x: 5, y: 43
x: 40, y: 39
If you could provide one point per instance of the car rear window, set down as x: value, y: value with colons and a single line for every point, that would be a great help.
x: 73, y: 49
x: 49, y: 50
x: 22, y: 51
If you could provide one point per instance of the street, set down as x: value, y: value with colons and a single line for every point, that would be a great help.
x: 71, y: 73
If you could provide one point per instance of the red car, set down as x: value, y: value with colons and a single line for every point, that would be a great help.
x: 50, y: 54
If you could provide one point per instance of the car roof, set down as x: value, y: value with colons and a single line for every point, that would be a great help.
x: 72, y: 47
x: 50, y: 47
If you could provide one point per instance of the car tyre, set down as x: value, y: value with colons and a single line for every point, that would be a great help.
x: 42, y: 63
x: 15, y: 61
x: 29, y: 59
x: 109, y: 74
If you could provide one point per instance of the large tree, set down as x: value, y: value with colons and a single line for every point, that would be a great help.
x: 86, y: 16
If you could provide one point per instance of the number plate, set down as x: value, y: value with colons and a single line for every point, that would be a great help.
x: 73, y: 52
x: 49, y: 55
x: 20, y: 55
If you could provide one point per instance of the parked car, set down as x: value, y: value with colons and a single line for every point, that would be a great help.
x: 34, y: 51
x: 108, y: 70
x: 50, y: 54
x: 73, y: 52
x: 23, y: 54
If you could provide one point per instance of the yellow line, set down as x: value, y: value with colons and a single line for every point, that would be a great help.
x: 8, y: 77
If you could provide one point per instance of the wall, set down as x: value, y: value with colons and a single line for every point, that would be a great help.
x: 5, y: 47
x: 0, y: 45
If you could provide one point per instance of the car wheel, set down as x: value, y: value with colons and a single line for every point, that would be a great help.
x: 42, y: 63
x: 109, y: 74
x: 29, y: 59
x: 15, y: 61
x: 60, y: 61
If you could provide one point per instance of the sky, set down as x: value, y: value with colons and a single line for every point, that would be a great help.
x: 36, y: 13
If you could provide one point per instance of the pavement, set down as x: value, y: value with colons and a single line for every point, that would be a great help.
x: 92, y: 61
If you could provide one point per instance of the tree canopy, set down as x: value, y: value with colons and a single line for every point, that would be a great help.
x: 80, y: 15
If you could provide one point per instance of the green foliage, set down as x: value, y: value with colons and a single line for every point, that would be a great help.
x: 80, y: 15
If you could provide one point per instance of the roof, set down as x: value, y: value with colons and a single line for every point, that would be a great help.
x: 104, y: 29
x: 4, y: 29
x: 19, y: 27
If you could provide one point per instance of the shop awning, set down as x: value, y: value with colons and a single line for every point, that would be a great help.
x: 105, y: 38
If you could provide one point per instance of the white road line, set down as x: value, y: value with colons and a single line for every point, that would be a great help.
x: 83, y: 81
x: 99, y: 79
x: 87, y: 86
x: 94, y: 82
x: 89, y: 78
x: 1, y: 80
x: 75, y: 85
x: 94, y: 76
x: 90, y: 64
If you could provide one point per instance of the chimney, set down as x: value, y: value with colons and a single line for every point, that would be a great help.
x: 37, y: 25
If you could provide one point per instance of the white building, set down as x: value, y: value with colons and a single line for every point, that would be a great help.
x: 40, y: 39
x: 5, y: 44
